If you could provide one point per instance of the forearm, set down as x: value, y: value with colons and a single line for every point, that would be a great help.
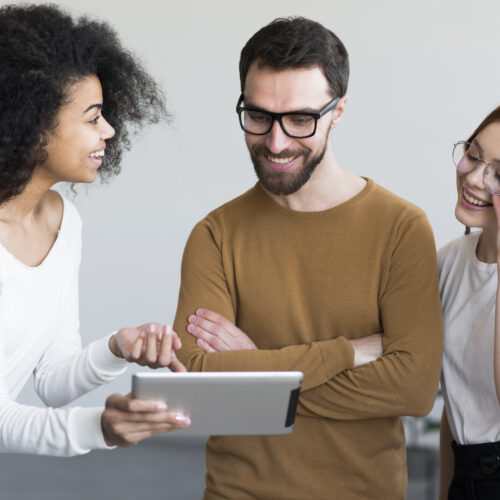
x: 49, y: 431
x: 65, y: 372
x: 318, y: 361
x: 447, y: 461
x: 396, y: 384
x: 404, y: 380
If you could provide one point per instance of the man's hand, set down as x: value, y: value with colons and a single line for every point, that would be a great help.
x: 150, y: 345
x: 126, y: 421
x: 367, y: 349
x: 215, y: 333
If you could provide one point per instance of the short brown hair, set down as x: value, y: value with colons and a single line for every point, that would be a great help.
x: 296, y: 42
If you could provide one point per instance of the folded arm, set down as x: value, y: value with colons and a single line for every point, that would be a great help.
x: 405, y: 380
x: 203, y: 284
x: 402, y: 382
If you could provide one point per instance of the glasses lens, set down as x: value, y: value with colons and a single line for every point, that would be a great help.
x: 299, y: 125
x: 255, y: 122
x: 464, y: 157
x: 492, y: 179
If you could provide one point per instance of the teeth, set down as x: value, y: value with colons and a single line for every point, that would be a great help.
x: 474, y: 201
x: 281, y: 160
x: 97, y: 154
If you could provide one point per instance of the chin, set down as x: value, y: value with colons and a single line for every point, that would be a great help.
x: 480, y: 219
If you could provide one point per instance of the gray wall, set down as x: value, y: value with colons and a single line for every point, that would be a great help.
x: 423, y: 74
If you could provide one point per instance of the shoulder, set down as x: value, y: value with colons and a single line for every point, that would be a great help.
x: 59, y: 208
x: 63, y: 217
x: 235, y: 211
x: 456, y: 249
x: 389, y: 205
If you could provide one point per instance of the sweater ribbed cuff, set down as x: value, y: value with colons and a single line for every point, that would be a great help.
x: 85, y: 432
x: 104, y: 359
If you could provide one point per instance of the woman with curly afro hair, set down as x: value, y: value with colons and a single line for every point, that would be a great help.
x: 69, y: 93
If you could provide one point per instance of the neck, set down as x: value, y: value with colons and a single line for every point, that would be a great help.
x: 486, y: 250
x: 26, y: 205
x: 330, y: 185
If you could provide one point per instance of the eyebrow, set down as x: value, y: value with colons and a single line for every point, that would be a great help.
x: 92, y: 106
x: 249, y: 105
x: 481, y: 150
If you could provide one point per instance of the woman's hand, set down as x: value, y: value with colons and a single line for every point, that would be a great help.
x: 150, y: 345
x: 126, y: 421
x: 496, y: 207
x: 216, y: 333
x: 366, y: 349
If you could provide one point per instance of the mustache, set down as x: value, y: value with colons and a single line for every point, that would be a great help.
x: 258, y: 149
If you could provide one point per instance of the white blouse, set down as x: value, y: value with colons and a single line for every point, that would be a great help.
x: 39, y: 335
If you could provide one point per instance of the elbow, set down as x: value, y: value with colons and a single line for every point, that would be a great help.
x: 421, y: 401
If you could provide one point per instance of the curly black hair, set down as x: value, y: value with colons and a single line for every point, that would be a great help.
x: 43, y: 52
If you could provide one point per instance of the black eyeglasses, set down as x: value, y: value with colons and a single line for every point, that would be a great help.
x: 298, y: 125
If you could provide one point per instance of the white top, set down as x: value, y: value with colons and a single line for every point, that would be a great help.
x: 39, y: 335
x: 468, y: 292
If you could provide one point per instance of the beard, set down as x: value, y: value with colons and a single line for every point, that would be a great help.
x: 285, y: 182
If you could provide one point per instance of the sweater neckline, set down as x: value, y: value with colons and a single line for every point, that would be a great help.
x: 478, y: 264
x: 269, y: 202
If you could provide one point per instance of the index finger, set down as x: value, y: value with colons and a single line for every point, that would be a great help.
x: 165, y: 349
x: 214, y: 317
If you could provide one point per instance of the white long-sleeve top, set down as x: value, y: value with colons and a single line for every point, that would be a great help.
x: 39, y: 335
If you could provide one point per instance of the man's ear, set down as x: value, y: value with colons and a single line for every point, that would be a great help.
x: 339, y: 111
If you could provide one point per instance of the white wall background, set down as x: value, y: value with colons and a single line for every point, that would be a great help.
x: 423, y: 75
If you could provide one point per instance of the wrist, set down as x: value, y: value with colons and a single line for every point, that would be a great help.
x: 113, y: 346
x: 104, y: 433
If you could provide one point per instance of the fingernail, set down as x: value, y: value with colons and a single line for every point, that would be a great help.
x: 183, y: 419
x: 192, y: 318
x: 169, y: 328
x: 199, y: 312
x: 160, y: 405
x: 190, y: 328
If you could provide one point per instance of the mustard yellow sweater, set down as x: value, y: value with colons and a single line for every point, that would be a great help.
x: 300, y: 284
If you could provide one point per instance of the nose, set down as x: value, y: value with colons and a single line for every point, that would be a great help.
x: 276, y: 140
x: 107, y: 131
x: 475, y: 178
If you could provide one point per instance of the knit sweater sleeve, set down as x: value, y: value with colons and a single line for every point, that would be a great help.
x: 404, y: 380
x: 203, y: 284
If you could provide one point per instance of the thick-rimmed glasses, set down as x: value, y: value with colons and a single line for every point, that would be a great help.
x: 466, y: 158
x: 298, y: 125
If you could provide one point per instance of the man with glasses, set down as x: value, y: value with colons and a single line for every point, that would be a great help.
x: 304, y: 272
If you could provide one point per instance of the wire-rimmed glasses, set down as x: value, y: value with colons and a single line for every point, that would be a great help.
x: 466, y: 158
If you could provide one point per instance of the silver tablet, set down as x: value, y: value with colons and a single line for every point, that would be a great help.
x: 226, y: 403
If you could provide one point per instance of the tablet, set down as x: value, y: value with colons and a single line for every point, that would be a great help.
x: 226, y: 403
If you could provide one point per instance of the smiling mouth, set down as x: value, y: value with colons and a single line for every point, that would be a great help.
x: 97, y: 156
x: 279, y: 160
x: 474, y: 200
x: 281, y: 163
